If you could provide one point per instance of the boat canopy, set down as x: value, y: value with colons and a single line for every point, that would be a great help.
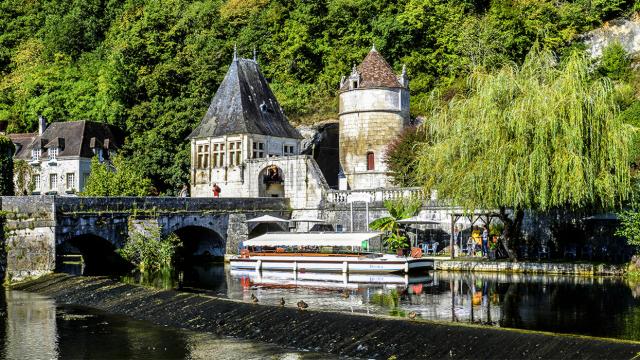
x: 312, y: 239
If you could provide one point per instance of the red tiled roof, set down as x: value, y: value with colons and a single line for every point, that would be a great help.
x: 375, y: 72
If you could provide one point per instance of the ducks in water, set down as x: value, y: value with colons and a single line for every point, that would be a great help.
x: 281, y: 301
x: 254, y: 299
x: 412, y: 315
x: 345, y: 294
x: 302, y: 305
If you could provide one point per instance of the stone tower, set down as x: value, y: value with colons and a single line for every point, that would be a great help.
x: 373, y: 111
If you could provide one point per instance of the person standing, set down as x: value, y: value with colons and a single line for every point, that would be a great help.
x: 485, y: 241
x: 216, y: 190
x: 184, y: 192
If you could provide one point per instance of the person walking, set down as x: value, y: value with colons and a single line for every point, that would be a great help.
x: 216, y: 190
x: 485, y: 241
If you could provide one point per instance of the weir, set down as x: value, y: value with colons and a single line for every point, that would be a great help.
x: 40, y: 229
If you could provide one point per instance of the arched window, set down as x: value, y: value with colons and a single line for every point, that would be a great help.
x: 371, y: 161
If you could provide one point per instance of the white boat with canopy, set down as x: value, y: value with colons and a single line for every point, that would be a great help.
x: 313, y: 252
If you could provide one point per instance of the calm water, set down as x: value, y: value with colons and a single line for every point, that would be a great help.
x: 605, y: 307
x: 34, y: 327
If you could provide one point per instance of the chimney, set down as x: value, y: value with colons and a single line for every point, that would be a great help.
x: 42, y: 124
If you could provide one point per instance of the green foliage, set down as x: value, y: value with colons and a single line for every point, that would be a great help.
x: 151, y: 66
x: 6, y: 166
x: 23, y: 173
x: 401, y: 155
x: 539, y: 136
x: 615, y: 63
x: 629, y: 227
x: 398, y: 210
x: 117, y: 178
x: 148, y: 250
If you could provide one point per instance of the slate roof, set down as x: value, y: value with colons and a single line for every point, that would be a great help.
x: 74, y: 138
x: 375, y: 72
x: 244, y: 104
x: 22, y: 142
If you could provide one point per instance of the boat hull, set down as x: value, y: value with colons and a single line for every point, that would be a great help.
x: 332, y: 264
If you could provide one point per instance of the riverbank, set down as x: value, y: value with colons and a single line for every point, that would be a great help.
x: 337, y: 333
x: 526, y: 267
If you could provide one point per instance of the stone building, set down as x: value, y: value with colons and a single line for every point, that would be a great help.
x: 60, y: 154
x: 246, y: 145
x: 373, y: 111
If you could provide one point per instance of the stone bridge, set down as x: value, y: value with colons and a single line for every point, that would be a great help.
x: 39, y: 230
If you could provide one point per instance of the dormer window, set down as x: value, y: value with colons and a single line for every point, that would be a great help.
x: 354, y: 84
x: 35, y: 154
x: 53, y: 153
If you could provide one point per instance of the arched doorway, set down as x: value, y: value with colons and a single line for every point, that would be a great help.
x: 199, y: 245
x: 89, y: 255
x: 271, y: 182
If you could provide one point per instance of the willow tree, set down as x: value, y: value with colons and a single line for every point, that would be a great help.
x: 541, y: 136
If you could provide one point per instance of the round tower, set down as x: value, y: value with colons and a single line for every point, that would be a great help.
x: 373, y: 111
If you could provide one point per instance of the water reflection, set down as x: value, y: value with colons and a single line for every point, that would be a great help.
x: 33, y: 327
x: 605, y: 307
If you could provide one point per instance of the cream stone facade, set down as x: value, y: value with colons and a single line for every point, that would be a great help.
x: 373, y: 111
x: 246, y: 146
x: 59, y: 155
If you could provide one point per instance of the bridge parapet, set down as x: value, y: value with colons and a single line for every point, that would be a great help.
x: 38, y: 227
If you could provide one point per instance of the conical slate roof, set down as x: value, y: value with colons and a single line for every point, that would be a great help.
x: 244, y: 104
x: 375, y: 72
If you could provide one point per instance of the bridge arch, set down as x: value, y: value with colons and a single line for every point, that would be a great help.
x: 199, y: 244
x: 89, y: 254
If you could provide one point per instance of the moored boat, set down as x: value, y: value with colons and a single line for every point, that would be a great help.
x: 322, y: 252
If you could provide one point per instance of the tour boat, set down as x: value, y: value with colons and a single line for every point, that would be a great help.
x: 318, y: 252
x: 272, y: 278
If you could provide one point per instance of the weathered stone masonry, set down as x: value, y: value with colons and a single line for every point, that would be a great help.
x: 36, y: 225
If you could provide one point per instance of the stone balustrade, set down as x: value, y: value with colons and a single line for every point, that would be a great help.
x: 380, y: 195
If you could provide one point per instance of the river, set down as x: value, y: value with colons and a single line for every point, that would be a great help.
x: 595, y: 306
x: 35, y: 327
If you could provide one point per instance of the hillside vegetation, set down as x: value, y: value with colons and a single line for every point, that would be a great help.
x: 151, y: 66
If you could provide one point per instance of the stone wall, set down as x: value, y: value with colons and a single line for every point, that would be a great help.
x: 370, y: 119
x: 29, y: 237
x: 36, y: 225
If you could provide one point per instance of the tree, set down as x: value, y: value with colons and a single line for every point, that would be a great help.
x: 541, y: 136
x: 118, y: 178
x: 23, y: 177
x: 398, y: 210
x: 149, y: 250
x: 615, y: 63
x: 401, y: 155
x: 6, y: 166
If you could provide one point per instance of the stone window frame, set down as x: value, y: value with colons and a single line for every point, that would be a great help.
x: 235, y: 153
x: 218, y: 154
x: 53, y: 153
x: 69, y: 185
x: 288, y: 150
x: 202, y: 156
x: 371, y: 161
x: 258, y: 150
x: 37, y: 185
x: 53, y: 182
x: 36, y: 154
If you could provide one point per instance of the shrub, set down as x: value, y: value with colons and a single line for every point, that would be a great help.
x: 148, y: 250
x: 6, y: 166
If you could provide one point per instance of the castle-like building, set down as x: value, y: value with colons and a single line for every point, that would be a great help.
x: 373, y: 111
x: 246, y: 146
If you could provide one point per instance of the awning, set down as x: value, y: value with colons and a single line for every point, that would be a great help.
x: 267, y: 219
x: 418, y: 220
x: 311, y: 239
x: 307, y: 219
